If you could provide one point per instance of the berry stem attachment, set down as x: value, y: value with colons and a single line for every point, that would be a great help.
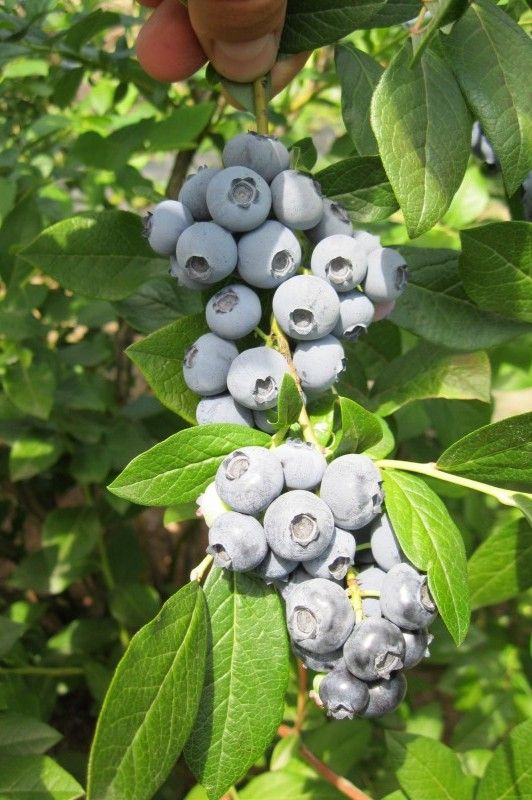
x: 199, y: 571
x: 354, y: 594
x: 261, y: 104
x: 430, y: 469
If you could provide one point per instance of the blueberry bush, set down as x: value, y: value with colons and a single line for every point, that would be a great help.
x: 265, y: 411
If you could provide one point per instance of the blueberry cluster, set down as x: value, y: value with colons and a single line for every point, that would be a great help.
x: 240, y: 225
x: 296, y: 521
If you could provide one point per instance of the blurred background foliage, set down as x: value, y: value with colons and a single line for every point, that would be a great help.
x: 84, y: 129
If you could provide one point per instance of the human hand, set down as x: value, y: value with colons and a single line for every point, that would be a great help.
x: 239, y: 37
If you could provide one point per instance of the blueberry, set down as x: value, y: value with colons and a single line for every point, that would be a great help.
x: 206, y: 253
x: 206, y: 364
x: 342, y: 694
x: 237, y: 542
x: 296, y: 200
x: 481, y: 146
x: 335, y: 219
x: 356, y: 315
x: 374, y: 649
x: 367, y: 241
x: 262, y: 422
x: 387, y: 275
x: 384, y: 545
x: 352, y: 489
x: 339, y: 260
x: 239, y: 199
x: 364, y: 554
x: 417, y: 646
x: 165, y: 224
x: 194, y: 192
x: 385, y: 696
x: 303, y: 464
x: 183, y: 278
x: 256, y: 376
x: 298, y: 525
x: 233, y: 312
x: 319, y: 364
x: 334, y: 562
x: 249, y: 479
x: 370, y: 580
x: 272, y: 568
x: 320, y: 616
x: 318, y: 662
x: 269, y: 255
x: 405, y: 598
x: 306, y: 307
x: 298, y: 576
x: 222, y: 408
x: 263, y: 154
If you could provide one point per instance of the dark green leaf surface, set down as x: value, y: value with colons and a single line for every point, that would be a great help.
x: 156, y: 303
x: 36, y: 777
x: 496, y: 268
x: 178, y: 469
x: 509, y: 773
x: 393, y: 13
x: 160, y: 359
x: 360, y: 428
x: 10, y: 633
x: 313, y: 23
x: 246, y: 679
x: 295, y: 781
x: 360, y: 184
x: 423, y: 130
x: 524, y: 503
x: 501, y: 567
x: 432, y: 542
x: 427, y: 769
x: 442, y: 12
x: 358, y: 74
x: 492, y: 60
x: 96, y: 255
x: 498, y: 452
x: 21, y: 735
x: 151, y: 703
x: 428, y: 371
x: 31, y: 388
x: 436, y: 307
x: 32, y: 454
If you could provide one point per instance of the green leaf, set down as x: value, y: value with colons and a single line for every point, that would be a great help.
x: 321, y: 415
x: 151, y: 703
x: 10, y: 633
x: 312, y: 23
x: 427, y: 769
x: 501, y: 567
x: 492, y: 60
x: 134, y: 604
x: 358, y: 74
x: 246, y: 679
x: 428, y: 371
x: 289, y: 404
x: 496, y: 268
x: 180, y: 513
x: 361, y: 185
x: 160, y: 359
x: 21, y: 735
x: 393, y: 13
x: 508, y: 775
x: 303, y: 154
x: 360, y: 428
x: 243, y: 93
x: 31, y: 388
x: 158, y: 302
x: 442, y: 12
x: 432, y: 542
x: 524, y: 504
x: 32, y: 454
x: 35, y: 777
x: 89, y: 26
x: 498, y: 452
x: 423, y: 129
x: 84, y: 636
x: 436, y: 307
x: 295, y: 781
x: 96, y: 255
x: 178, y: 130
x: 385, y: 445
x: 180, y: 468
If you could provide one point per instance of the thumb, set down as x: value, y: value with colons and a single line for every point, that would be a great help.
x: 240, y: 37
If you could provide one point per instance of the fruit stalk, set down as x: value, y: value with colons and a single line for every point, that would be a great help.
x: 261, y: 104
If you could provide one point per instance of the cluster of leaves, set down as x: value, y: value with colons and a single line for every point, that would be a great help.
x: 208, y: 670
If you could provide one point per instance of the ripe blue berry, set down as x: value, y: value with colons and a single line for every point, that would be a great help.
x: 233, y: 312
x: 306, y: 307
x: 194, y: 193
x: 237, y: 542
x: 356, y: 315
x: 334, y: 220
x: 352, y: 489
x: 405, y: 598
x: 385, y: 696
x: 183, y: 278
x: 334, y: 562
x: 262, y: 422
x: 303, y: 464
x: 319, y: 615
x: 374, y: 649
x: 299, y: 526
x: 206, y: 364
x: 387, y: 275
x: 273, y: 568
x: 249, y: 480
x: 206, y: 253
x: 339, y: 260
x: 239, y: 199
x: 269, y: 255
x: 417, y: 646
x: 319, y: 364
x: 222, y: 408
x: 384, y: 545
x: 165, y: 224
x: 318, y: 662
x: 370, y: 580
x: 263, y: 154
x: 342, y: 694
x: 367, y: 241
x: 296, y: 200
x: 256, y: 376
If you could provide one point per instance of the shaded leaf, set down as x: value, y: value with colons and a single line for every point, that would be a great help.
x: 313, y: 23
x: 360, y: 184
x: 36, y: 777
x: 21, y: 735
x: 358, y: 74
x: 508, y: 775
x: 360, y: 428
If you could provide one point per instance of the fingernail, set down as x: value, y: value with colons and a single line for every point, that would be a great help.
x: 242, y: 59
